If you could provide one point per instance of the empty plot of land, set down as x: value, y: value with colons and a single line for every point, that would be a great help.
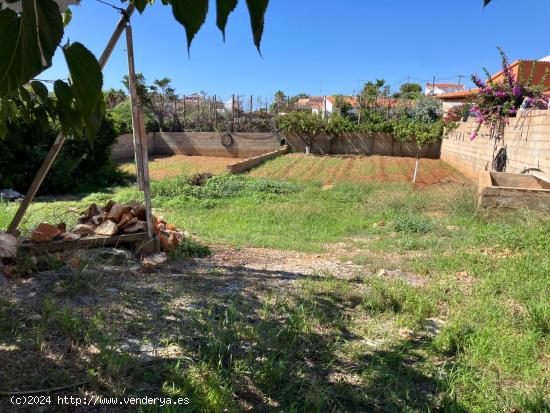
x: 358, y: 169
x: 176, y: 165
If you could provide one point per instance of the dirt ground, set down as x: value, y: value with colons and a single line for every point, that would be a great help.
x: 332, y: 170
x: 141, y: 308
x: 175, y: 165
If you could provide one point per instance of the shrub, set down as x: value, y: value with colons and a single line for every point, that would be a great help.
x: 190, y: 248
x: 82, y: 165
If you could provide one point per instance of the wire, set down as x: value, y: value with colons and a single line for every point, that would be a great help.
x: 112, y: 5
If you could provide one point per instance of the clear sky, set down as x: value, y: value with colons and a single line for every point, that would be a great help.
x: 319, y: 46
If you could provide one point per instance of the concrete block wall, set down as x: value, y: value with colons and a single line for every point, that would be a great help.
x: 364, y: 144
x: 124, y: 148
x: 255, y: 161
x: 526, y: 138
x: 244, y: 145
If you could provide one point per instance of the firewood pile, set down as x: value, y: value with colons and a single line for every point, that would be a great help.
x: 110, y: 220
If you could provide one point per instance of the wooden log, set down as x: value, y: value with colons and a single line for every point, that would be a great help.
x: 135, y: 108
x: 82, y: 243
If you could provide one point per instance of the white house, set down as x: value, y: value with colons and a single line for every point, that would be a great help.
x: 436, y: 89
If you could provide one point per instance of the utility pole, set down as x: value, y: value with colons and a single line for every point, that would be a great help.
x: 433, y: 87
x: 233, y: 112
x: 184, y: 112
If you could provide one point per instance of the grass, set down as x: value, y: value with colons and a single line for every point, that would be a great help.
x: 332, y: 343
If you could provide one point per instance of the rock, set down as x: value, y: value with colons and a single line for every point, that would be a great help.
x: 98, y: 219
x: 62, y: 227
x: 45, y: 233
x: 452, y: 228
x: 381, y: 273
x: 168, y: 242
x: 108, y: 228
x: 171, y: 227
x: 59, y: 288
x: 10, y: 195
x: 83, y: 229
x: 139, y: 211
x: 139, y: 226
x: 8, y: 246
x: 117, y: 211
x: 151, y: 262
x: 69, y: 236
x: 92, y: 211
x: 127, y: 220
x: 109, y: 205
x: 114, y: 255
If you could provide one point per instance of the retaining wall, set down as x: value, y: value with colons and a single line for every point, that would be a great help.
x: 250, y: 163
x: 240, y: 145
x: 363, y: 144
x: 526, y: 138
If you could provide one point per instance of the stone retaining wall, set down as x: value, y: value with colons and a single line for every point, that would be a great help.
x: 238, y: 145
x: 363, y: 144
x: 526, y: 138
x: 250, y: 163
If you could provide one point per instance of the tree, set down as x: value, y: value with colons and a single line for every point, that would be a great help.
x: 343, y: 106
x: 114, y: 97
x: 410, y: 90
x: 160, y: 96
x: 31, y: 31
x: 141, y: 88
x: 280, y: 101
x: 372, y: 91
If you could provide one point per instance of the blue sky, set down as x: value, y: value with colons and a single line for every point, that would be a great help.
x: 319, y: 46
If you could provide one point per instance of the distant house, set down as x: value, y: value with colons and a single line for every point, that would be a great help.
x: 522, y: 69
x: 436, y: 89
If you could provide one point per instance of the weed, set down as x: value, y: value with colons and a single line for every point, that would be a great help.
x: 189, y: 248
x: 414, y: 224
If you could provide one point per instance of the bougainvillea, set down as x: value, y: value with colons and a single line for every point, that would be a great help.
x: 496, y: 102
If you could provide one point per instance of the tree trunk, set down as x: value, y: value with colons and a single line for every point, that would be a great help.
x: 416, y: 165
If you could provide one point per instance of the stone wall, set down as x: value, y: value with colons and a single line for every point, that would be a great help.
x: 526, y: 138
x: 238, y: 145
x: 363, y: 144
x: 250, y: 163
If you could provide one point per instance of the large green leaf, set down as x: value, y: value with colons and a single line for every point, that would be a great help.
x: 86, y: 85
x: 40, y: 90
x: 223, y: 10
x: 191, y: 14
x: 71, y: 122
x: 141, y: 4
x: 486, y: 2
x: 257, y: 9
x: 27, y: 42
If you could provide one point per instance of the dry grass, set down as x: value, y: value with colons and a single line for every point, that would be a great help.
x: 176, y: 165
